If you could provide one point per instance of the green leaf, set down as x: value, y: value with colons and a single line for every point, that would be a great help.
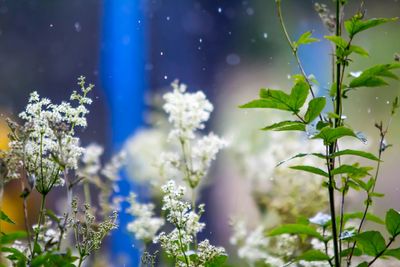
x: 265, y: 103
x: 393, y: 222
x: 352, y: 152
x: 357, y: 252
x: 371, y: 242
x: 301, y: 155
x: 11, y: 237
x: 299, y: 229
x: 330, y: 135
x: 358, y: 50
x: 217, y: 261
x: 5, y: 218
x: 298, y: 95
x: 351, y: 170
x: 337, y: 40
x: 313, y: 255
x: 395, y: 252
x: 356, y: 25
x: 359, y: 215
x: 310, y: 169
x: 363, y: 264
x: 372, y: 77
x: 315, y: 108
x: 305, y: 38
x: 286, y: 126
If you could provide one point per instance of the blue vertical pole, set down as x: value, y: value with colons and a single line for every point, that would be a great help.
x: 122, y: 73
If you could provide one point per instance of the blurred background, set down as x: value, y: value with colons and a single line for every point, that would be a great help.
x: 131, y: 49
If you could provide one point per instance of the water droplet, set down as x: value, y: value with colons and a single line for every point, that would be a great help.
x: 265, y: 35
x: 232, y: 59
x: 219, y: 10
x: 250, y: 11
x: 77, y: 26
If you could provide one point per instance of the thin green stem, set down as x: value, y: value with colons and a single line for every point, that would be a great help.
x: 41, y: 218
x: 383, y: 251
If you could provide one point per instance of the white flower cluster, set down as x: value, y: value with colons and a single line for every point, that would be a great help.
x: 253, y: 246
x: 46, y: 142
x: 91, y: 160
x: 179, y: 241
x: 145, y: 225
x: 187, y: 111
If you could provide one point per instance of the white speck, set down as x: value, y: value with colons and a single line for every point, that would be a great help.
x: 355, y: 74
x: 165, y: 77
x: 51, y: 25
x: 387, y: 102
x: 250, y: 11
x: 219, y: 10
x: 139, y: 21
x: 265, y: 35
x: 369, y: 110
x: 230, y: 33
x: 77, y: 26
x: 200, y: 40
x: 289, y: 76
x: 232, y: 59
x: 168, y: 18
x: 199, y: 47
x: 161, y: 53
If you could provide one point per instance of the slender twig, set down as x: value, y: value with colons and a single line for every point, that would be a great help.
x: 41, y: 218
x: 383, y: 251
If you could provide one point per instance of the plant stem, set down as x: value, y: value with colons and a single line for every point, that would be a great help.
x: 80, y: 261
x: 294, y: 49
x: 86, y: 191
x: 41, y: 217
x: 383, y: 251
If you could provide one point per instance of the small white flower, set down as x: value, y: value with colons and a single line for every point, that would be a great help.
x: 320, y: 219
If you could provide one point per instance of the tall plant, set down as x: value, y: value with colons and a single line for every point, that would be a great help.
x: 345, y: 241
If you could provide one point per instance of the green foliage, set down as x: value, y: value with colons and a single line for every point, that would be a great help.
x: 305, y: 38
x: 371, y: 242
x: 313, y: 255
x: 11, y: 237
x: 356, y: 24
x: 277, y: 99
x: 330, y: 135
x: 393, y: 222
x: 286, y: 126
x: 315, y: 107
x: 5, y: 218
x: 353, y: 152
x: 373, y: 77
x: 310, y: 169
x: 295, y: 229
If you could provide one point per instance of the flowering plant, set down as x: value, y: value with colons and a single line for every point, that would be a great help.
x: 335, y: 239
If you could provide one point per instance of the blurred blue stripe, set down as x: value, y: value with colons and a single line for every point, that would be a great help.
x: 123, y: 52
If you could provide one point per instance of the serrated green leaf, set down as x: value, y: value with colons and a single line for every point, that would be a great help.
x: 371, y: 242
x: 356, y: 25
x: 265, y: 103
x: 305, y: 38
x: 301, y: 155
x: 330, y: 135
x: 11, y: 237
x: 358, y: 50
x: 395, y: 252
x: 315, y: 108
x: 353, y: 152
x: 298, y: 95
x: 372, y: 77
x: 313, y: 255
x: 310, y: 169
x: 393, y: 222
x: 286, y: 126
x: 299, y: 229
x: 5, y: 218
x: 351, y: 170
x: 337, y: 40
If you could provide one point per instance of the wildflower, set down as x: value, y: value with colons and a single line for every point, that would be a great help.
x: 321, y: 219
x: 145, y: 225
x: 91, y: 160
x: 187, y: 111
